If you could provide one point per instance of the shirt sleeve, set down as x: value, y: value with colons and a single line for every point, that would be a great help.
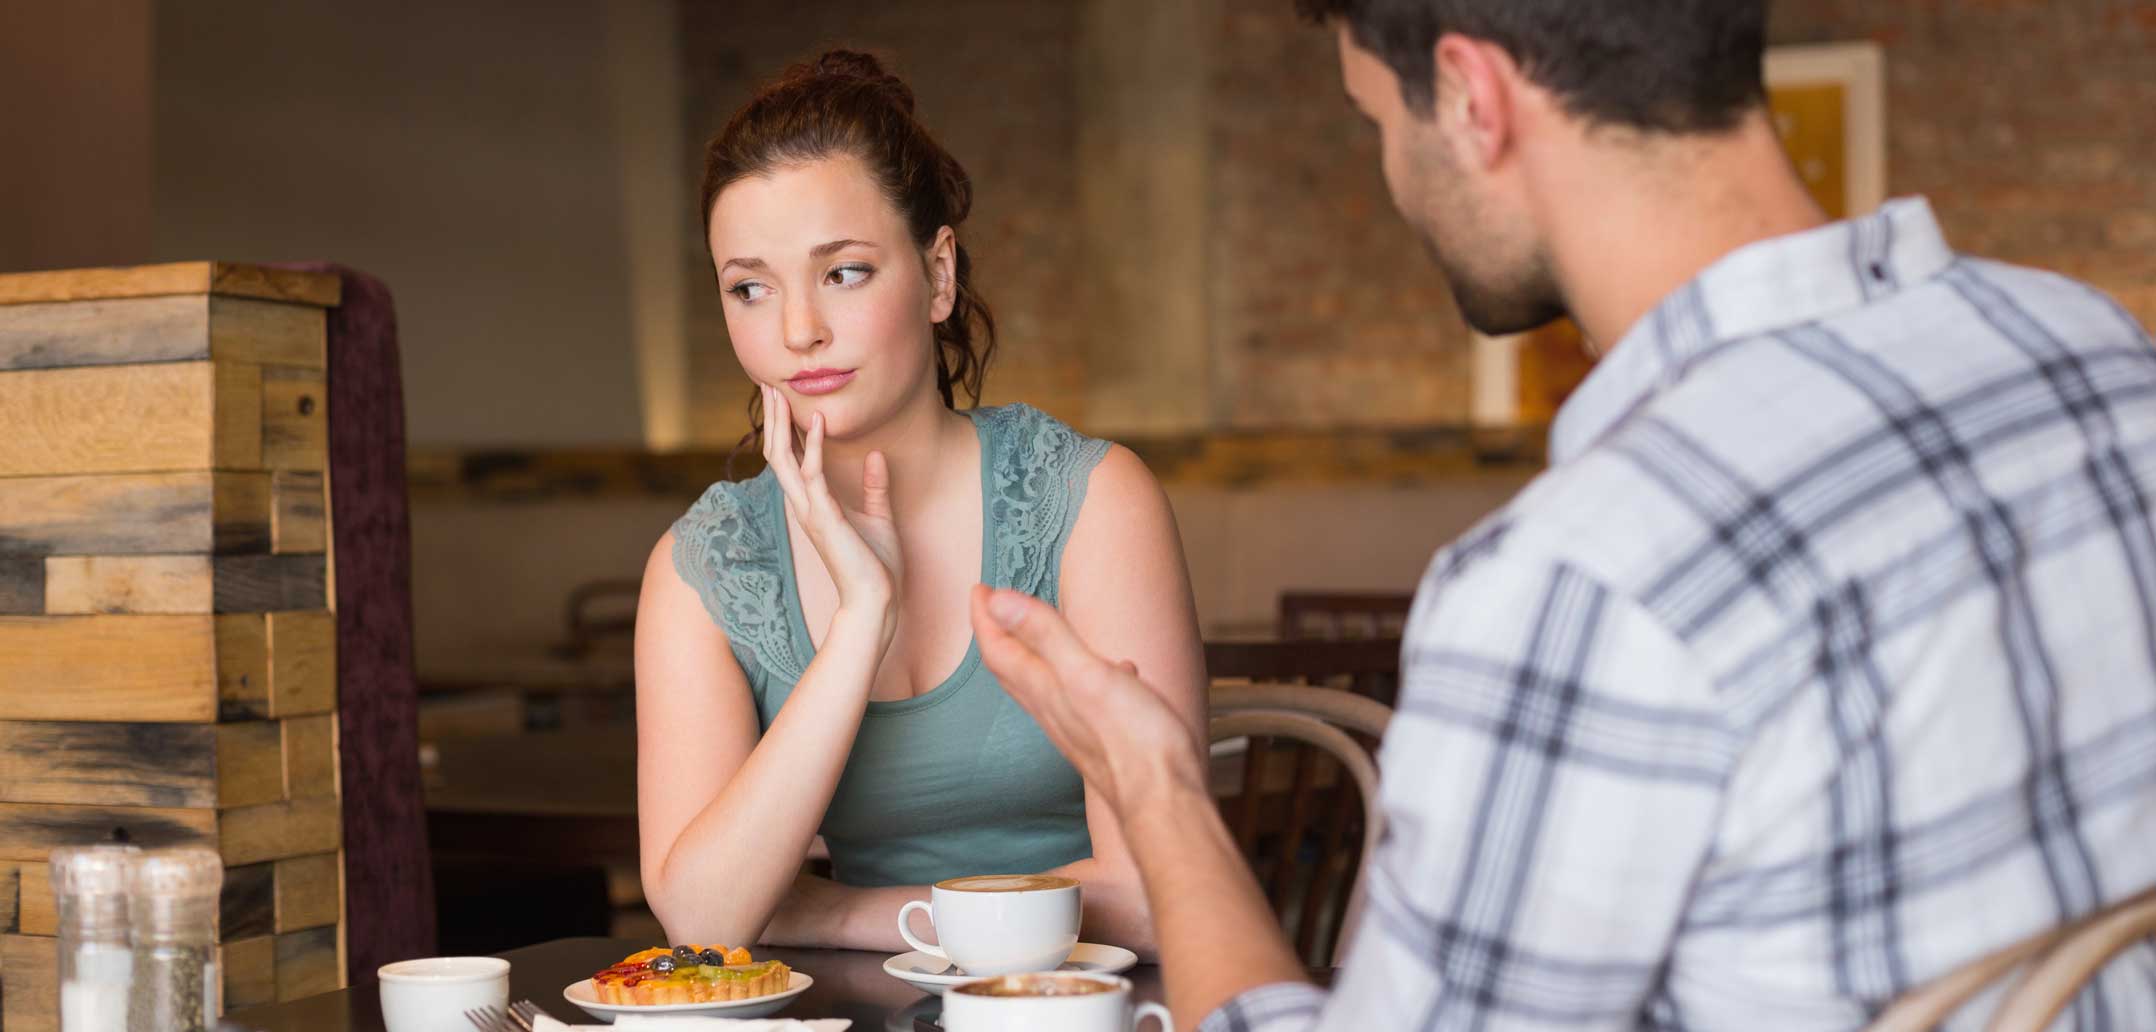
x: 1551, y: 782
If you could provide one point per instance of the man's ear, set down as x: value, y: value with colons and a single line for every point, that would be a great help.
x: 1475, y: 82
x: 942, y: 261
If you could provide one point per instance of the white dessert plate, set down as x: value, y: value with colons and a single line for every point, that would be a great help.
x: 932, y: 974
x: 582, y: 995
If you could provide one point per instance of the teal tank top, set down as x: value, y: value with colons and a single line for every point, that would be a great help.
x: 958, y: 780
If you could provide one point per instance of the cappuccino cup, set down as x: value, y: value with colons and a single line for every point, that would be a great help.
x: 1050, y: 1002
x: 999, y: 924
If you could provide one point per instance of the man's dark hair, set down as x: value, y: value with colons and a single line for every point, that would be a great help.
x: 1675, y: 66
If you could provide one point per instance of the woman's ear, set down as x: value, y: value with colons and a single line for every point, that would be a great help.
x: 942, y: 260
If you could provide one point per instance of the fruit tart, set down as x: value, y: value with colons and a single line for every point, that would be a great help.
x: 689, y: 974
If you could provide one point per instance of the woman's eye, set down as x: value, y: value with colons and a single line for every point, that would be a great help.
x: 849, y: 275
x: 748, y: 290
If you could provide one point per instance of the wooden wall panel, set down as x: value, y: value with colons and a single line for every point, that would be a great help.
x: 29, y: 831
x: 32, y: 967
x: 248, y: 906
x: 250, y: 971
x: 250, y: 763
x: 275, y: 831
x: 117, y: 668
x: 307, y: 963
x: 310, y: 756
x: 228, y: 279
x: 295, y: 419
x: 299, y: 513
x: 310, y: 891
x: 134, y: 514
x: 36, y: 911
x: 130, y: 419
x: 155, y: 765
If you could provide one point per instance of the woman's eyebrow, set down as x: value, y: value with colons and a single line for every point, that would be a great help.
x: 751, y: 264
x: 826, y: 250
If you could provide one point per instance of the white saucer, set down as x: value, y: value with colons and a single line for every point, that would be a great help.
x: 582, y: 995
x: 932, y: 974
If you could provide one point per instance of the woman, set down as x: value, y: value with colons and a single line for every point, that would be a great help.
x: 803, y: 657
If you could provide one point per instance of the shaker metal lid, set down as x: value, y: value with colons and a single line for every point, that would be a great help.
x: 99, y: 870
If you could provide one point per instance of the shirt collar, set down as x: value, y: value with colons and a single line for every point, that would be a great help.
x: 1763, y: 286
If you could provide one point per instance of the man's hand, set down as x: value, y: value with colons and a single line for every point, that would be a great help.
x: 1114, y: 728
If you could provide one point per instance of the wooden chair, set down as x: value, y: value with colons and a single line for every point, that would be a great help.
x: 2059, y: 964
x: 1338, y: 616
x: 1291, y: 811
x: 1367, y: 667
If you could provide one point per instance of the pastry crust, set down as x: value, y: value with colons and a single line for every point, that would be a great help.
x: 633, y: 983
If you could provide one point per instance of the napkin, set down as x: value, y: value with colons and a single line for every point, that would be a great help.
x: 655, y: 1023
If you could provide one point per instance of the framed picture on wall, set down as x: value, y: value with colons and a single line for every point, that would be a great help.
x: 1828, y: 102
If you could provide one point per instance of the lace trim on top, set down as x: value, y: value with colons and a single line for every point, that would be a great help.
x: 1035, y: 474
x: 725, y: 550
x: 1036, y: 485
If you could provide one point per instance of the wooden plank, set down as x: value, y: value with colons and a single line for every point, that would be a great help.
x: 227, y: 278
x: 129, y: 419
x: 38, y: 913
x: 250, y: 763
x: 29, y: 831
x: 22, y: 587
x: 299, y: 513
x: 248, y: 905
x: 250, y: 971
x: 259, y: 583
x: 32, y: 967
x: 123, y: 331
x: 133, y: 514
x: 105, y: 764
x: 86, y: 584
x: 56, y: 334
x: 243, y: 674
x: 295, y: 419
x: 184, y: 584
x: 275, y: 831
x: 307, y: 963
x: 10, y: 896
x: 310, y: 756
x: 125, y: 668
x: 310, y: 890
x: 302, y: 663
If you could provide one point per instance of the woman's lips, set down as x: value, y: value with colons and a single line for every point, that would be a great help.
x: 820, y: 381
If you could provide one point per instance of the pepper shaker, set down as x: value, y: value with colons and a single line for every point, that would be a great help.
x: 172, y: 904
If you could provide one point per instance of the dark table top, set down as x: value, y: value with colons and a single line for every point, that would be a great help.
x: 849, y: 984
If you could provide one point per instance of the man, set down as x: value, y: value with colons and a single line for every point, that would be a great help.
x: 1821, y: 660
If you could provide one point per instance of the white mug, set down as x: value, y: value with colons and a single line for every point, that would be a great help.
x: 431, y: 994
x: 967, y: 1009
x: 999, y: 924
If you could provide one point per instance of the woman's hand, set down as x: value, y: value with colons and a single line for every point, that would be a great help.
x: 859, y: 548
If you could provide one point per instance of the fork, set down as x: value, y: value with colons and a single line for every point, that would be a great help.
x: 525, y: 1013
x: 490, y: 1019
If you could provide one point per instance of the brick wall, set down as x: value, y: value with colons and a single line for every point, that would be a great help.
x: 2031, y: 125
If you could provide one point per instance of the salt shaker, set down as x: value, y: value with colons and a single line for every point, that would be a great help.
x: 89, y: 890
x: 172, y: 905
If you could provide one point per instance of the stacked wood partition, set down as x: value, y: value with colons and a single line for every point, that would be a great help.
x: 167, y: 642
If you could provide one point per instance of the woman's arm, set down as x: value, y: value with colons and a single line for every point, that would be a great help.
x: 724, y: 818
x: 1126, y: 590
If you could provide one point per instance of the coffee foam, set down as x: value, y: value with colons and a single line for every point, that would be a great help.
x: 1005, y: 883
x: 1037, y: 985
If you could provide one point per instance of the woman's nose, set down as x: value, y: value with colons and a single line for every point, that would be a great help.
x: 805, y: 329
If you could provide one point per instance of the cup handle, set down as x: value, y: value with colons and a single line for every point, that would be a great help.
x: 1153, y: 1010
x: 907, y: 933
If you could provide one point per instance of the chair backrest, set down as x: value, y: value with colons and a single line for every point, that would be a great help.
x: 1366, y: 667
x: 1339, y: 616
x: 1289, y: 805
x: 2059, y: 963
x: 388, y: 873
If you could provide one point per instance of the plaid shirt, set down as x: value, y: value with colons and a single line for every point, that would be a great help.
x: 1822, y: 660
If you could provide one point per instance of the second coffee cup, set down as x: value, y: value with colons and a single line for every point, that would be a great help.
x: 999, y: 924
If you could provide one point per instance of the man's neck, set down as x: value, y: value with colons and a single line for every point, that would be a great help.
x: 1632, y: 222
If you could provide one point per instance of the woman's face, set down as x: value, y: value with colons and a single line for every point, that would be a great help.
x: 826, y: 296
